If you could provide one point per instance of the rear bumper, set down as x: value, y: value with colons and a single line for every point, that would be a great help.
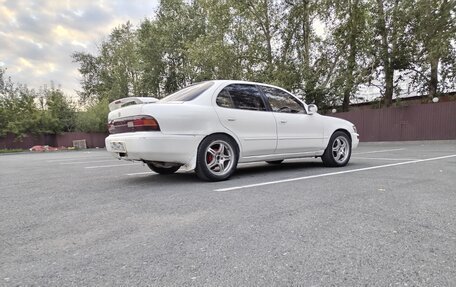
x: 156, y: 146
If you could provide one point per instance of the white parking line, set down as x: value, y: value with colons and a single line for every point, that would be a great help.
x: 385, y: 158
x: 113, y: 165
x: 78, y: 162
x: 141, y: 173
x: 376, y: 151
x: 73, y: 158
x: 334, y: 173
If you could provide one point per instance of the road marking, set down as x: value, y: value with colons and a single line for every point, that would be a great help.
x: 385, y: 158
x: 376, y: 151
x: 141, y: 173
x: 73, y: 158
x: 77, y: 162
x: 113, y: 165
x: 334, y: 173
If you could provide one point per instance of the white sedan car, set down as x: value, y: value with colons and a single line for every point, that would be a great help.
x: 212, y: 126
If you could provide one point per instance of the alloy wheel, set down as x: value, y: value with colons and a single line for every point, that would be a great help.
x: 219, y: 157
x: 340, y: 149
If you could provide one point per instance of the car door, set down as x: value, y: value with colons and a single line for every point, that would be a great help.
x: 242, y: 110
x: 297, y: 131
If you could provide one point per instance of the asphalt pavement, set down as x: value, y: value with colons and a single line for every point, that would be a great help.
x: 83, y: 218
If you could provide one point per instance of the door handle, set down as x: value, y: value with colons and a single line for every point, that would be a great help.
x: 283, y: 121
x: 231, y: 120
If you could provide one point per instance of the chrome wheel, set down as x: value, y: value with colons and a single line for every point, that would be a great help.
x: 219, y: 157
x: 340, y: 149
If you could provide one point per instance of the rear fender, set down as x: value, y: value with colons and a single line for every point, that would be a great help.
x: 191, y: 165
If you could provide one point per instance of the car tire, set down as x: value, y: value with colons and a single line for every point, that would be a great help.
x: 338, y: 151
x: 274, y: 161
x: 163, y: 168
x: 217, y: 158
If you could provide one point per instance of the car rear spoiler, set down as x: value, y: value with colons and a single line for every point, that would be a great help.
x: 117, y: 104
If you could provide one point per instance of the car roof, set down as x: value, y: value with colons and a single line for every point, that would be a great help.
x: 227, y: 82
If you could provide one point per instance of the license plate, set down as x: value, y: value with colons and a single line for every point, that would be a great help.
x: 118, y: 146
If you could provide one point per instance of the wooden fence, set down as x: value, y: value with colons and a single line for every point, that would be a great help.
x: 433, y: 121
x: 66, y: 139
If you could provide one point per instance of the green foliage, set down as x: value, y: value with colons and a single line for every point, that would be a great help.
x: 349, y: 47
x: 114, y: 73
x: 364, y: 41
x: 434, y: 40
x: 18, y: 111
x: 94, y: 118
x: 60, y: 112
x: 206, y: 39
x: 24, y: 111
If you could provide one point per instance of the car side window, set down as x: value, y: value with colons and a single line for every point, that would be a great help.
x: 282, y: 102
x: 224, y: 99
x: 241, y: 96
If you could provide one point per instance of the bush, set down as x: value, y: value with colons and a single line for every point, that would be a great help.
x: 94, y: 118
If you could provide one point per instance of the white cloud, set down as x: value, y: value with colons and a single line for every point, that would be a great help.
x: 37, y: 38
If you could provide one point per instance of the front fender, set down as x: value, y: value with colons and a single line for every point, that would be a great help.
x: 333, y: 124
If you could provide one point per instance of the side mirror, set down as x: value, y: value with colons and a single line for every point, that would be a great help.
x: 312, y: 109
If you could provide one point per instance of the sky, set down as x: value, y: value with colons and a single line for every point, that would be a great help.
x: 37, y: 38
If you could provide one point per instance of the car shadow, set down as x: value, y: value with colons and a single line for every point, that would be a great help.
x: 274, y: 168
x: 179, y: 178
x: 243, y: 170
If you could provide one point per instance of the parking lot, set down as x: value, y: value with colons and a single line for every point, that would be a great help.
x: 84, y: 218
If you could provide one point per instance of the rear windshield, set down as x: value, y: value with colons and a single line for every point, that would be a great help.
x: 189, y: 93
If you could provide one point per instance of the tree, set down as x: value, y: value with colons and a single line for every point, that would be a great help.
x: 212, y: 54
x: 18, y: 111
x: 434, y: 28
x: 4, y: 113
x: 350, y: 25
x: 24, y: 111
x: 275, y: 41
x: 60, y: 111
x: 93, y: 118
x: 393, y: 33
x: 90, y: 69
x: 315, y: 57
x: 150, y: 53
x: 115, y: 73
x: 177, y: 35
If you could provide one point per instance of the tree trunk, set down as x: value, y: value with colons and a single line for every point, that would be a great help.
x: 267, y: 32
x: 306, y: 34
x: 433, y: 81
x: 351, y: 56
x: 350, y: 79
x: 386, y: 56
x: 389, y: 85
x: 304, y: 52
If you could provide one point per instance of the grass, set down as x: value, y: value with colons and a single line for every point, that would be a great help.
x: 11, y: 150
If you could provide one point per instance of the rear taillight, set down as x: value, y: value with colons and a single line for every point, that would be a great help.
x: 133, y: 124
